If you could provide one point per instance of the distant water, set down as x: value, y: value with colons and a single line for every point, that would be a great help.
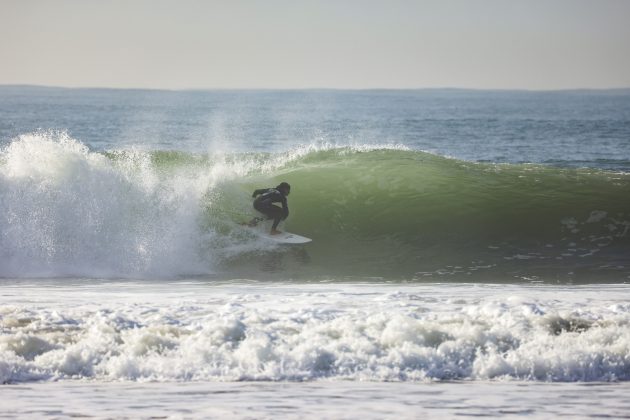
x: 469, y: 236
x: 569, y: 128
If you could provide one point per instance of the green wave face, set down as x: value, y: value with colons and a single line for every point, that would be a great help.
x: 413, y: 215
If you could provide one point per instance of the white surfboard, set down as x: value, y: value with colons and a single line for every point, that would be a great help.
x: 288, y: 238
x: 262, y: 229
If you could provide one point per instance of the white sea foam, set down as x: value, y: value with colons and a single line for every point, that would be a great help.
x: 242, y: 331
x: 68, y: 211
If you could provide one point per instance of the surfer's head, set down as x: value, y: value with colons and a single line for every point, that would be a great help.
x: 284, y: 188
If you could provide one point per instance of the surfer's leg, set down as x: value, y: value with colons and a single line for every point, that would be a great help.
x: 276, y: 214
x: 261, y: 209
x: 272, y: 212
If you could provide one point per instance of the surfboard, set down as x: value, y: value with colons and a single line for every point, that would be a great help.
x: 288, y: 238
x: 283, y: 238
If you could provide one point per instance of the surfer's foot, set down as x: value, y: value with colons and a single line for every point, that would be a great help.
x: 275, y: 232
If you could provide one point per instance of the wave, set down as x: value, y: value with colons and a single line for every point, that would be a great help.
x: 372, y: 211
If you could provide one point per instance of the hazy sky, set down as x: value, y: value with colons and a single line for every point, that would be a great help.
x: 531, y: 44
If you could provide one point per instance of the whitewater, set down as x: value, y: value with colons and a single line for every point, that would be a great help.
x: 470, y: 253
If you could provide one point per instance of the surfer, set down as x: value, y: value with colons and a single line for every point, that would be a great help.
x: 264, y: 203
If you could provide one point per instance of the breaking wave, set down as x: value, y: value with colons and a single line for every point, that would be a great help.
x: 379, y: 211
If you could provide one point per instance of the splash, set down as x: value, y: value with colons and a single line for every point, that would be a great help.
x: 68, y: 211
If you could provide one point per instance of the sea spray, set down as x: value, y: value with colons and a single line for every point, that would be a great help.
x: 68, y: 211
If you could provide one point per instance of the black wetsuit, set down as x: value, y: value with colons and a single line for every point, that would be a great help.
x: 263, y: 203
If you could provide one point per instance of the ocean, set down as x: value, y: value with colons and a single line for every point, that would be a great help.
x: 470, y: 254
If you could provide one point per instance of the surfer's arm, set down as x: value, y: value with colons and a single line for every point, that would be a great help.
x: 285, y: 208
